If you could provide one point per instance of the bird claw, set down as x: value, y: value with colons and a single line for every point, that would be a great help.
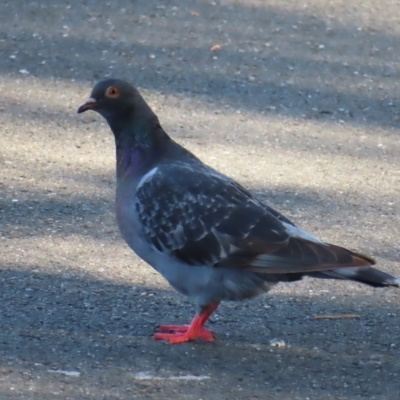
x: 173, y: 328
x: 180, y: 334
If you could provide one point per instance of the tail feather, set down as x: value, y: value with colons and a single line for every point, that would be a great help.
x: 367, y: 275
x: 298, y: 257
x: 303, y: 256
x: 322, y: 261
x: 357, y: 267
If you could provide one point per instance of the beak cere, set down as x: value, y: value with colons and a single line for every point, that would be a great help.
x: 88, y: 105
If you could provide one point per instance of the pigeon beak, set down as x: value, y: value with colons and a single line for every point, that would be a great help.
x: 88, y: 105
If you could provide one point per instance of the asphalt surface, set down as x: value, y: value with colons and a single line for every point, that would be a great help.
x: 299, y: 101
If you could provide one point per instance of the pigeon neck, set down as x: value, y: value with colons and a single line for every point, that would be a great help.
x: 139, y: 148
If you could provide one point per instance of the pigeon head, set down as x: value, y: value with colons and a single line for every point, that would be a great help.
x: 139, y: 138
x: 119, y: 103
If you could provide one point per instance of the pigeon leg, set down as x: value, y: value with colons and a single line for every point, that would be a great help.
x: 179, y: 334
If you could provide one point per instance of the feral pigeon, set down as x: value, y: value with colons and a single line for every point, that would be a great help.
x: 205, y: 233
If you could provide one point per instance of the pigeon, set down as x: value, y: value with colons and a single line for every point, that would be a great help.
x: 207, y: 235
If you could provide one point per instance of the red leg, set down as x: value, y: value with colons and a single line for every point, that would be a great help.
x: 179, y: 334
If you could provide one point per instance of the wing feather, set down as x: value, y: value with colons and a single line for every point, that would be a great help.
x: 202, y: 217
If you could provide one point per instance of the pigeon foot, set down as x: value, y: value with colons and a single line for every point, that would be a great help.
x: 186, y: 333
x: 180, y: 334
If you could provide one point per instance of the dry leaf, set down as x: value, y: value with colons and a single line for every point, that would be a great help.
x: 344, y: 316
x: 216, y: 47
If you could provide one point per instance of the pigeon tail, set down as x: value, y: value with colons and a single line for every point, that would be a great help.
x: 304, y: 256
x: 366, y: 275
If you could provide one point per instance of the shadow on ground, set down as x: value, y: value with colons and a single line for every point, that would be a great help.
x: 291, y: 62
x: 275, y: 60
x: 41, y: 214
x: 52, y: 323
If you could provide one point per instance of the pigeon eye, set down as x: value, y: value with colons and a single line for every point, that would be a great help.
x: 112, y: 92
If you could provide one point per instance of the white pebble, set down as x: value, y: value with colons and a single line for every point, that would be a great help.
x: 277, y: 343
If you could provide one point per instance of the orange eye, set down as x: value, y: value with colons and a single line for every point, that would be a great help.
x: 112, y: 92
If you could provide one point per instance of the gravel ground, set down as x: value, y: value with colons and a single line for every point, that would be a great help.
x: 296, y: 100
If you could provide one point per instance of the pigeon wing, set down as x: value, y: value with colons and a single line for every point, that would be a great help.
x: 201, y: 217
